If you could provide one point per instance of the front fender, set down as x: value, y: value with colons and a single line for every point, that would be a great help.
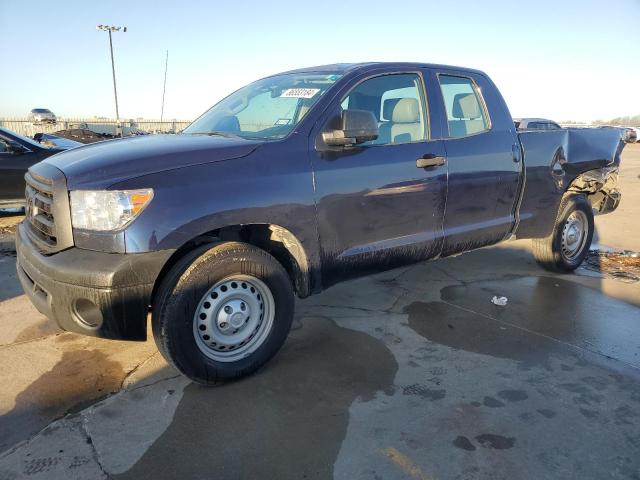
x: 262, y: 188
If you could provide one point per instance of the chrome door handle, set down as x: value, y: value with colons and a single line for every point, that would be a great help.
x: 430, y: 160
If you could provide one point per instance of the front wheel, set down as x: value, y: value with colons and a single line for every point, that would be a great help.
x: 222, y: 312
x: 569, y: 242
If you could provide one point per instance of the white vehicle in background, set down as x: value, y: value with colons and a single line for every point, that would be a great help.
x: 629, y: 134
x: 41, y: 115
x: 535, y: 124
x: 632, y: 134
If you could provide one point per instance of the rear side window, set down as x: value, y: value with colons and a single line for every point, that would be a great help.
x: 464, y: 106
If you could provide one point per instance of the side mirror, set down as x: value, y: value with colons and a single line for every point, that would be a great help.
x: 358, y: 126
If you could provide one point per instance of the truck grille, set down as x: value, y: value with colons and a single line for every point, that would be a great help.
x: 47, y: 219
x: 39, y: 208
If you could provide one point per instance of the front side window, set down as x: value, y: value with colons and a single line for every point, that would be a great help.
x: 397, y: 102
x: 463, y: 105
x: 267, y: 109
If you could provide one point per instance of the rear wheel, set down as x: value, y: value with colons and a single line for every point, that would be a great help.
x: 569, y: 242
x: 222, y: 312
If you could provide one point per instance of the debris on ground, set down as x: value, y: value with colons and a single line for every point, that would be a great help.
x: 624, y: 266
x: 9, y: 223
x: 500, y: 301
x: 9, y: 220
x: 83, y: 135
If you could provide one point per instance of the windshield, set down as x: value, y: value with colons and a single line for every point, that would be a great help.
x: 267, y: 109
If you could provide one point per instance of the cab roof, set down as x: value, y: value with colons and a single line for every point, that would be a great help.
x: 345, y: 68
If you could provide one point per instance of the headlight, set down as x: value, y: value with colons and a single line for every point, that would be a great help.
x: 105, y: 210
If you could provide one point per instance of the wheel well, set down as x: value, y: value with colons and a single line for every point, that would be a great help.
x: 599, y: 187
x: 276, y: 240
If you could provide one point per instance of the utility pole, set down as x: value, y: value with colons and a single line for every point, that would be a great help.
x: 164, y: 88
x: 110, y: 29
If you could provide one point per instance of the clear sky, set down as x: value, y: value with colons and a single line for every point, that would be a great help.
x: 564, y: 59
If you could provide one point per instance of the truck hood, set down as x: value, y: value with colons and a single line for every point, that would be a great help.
x: 100, y: 165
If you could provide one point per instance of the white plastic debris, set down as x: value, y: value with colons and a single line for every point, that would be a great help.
x: 500, y: 301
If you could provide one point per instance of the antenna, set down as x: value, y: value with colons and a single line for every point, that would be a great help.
x: 164, y: 88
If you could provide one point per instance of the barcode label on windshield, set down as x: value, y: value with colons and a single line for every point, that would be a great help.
x: 300, y: 92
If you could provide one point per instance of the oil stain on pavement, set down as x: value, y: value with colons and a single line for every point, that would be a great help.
x: 292, y: 414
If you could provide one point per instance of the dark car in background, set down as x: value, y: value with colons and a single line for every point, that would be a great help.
x: 41, y: 115
x: 17, y: 154
x: 535, y: 124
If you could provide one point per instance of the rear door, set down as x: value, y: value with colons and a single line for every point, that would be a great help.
x: 376, y: 207
x: 483, y: 156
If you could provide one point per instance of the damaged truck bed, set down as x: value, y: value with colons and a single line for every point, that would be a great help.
x: 561, y: 162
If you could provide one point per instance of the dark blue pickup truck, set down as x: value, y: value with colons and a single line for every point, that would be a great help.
x: 288, y: 186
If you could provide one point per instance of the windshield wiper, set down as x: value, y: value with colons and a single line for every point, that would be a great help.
x: 214, y: 133
x: 219, y: 133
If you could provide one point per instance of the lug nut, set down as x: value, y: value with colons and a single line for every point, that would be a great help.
x: 228, y: 310
x: 223, y: 324
x: 243, y: 307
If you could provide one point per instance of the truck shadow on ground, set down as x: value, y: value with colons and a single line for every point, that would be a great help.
x: 293, y: 413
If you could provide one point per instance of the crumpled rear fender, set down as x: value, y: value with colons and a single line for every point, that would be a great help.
x: 557, y: 162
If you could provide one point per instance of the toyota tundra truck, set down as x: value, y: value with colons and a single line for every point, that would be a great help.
x: 288, y: 186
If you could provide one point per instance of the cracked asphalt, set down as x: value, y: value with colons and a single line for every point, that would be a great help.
x: 409, y: 374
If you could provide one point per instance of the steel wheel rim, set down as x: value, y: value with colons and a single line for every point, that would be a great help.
x: 233, y: 318
x: 574, y: 235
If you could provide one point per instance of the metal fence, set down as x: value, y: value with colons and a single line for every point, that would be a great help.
x: 26, y: 127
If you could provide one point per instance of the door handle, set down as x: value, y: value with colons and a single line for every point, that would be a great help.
x: 515, y: 149
x: 430, y: 160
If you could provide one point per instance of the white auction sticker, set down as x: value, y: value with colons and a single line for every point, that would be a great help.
x: 300, y: 92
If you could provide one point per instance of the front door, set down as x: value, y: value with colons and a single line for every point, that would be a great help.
x: 376, y: 207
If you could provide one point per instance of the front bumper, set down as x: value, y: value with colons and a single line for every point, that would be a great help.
x: 93, y: 293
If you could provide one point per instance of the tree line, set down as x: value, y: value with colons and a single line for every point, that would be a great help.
x: 633, y: 121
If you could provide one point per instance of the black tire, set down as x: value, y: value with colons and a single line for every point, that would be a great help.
x: 181, y: 291
x: 548, y: 251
